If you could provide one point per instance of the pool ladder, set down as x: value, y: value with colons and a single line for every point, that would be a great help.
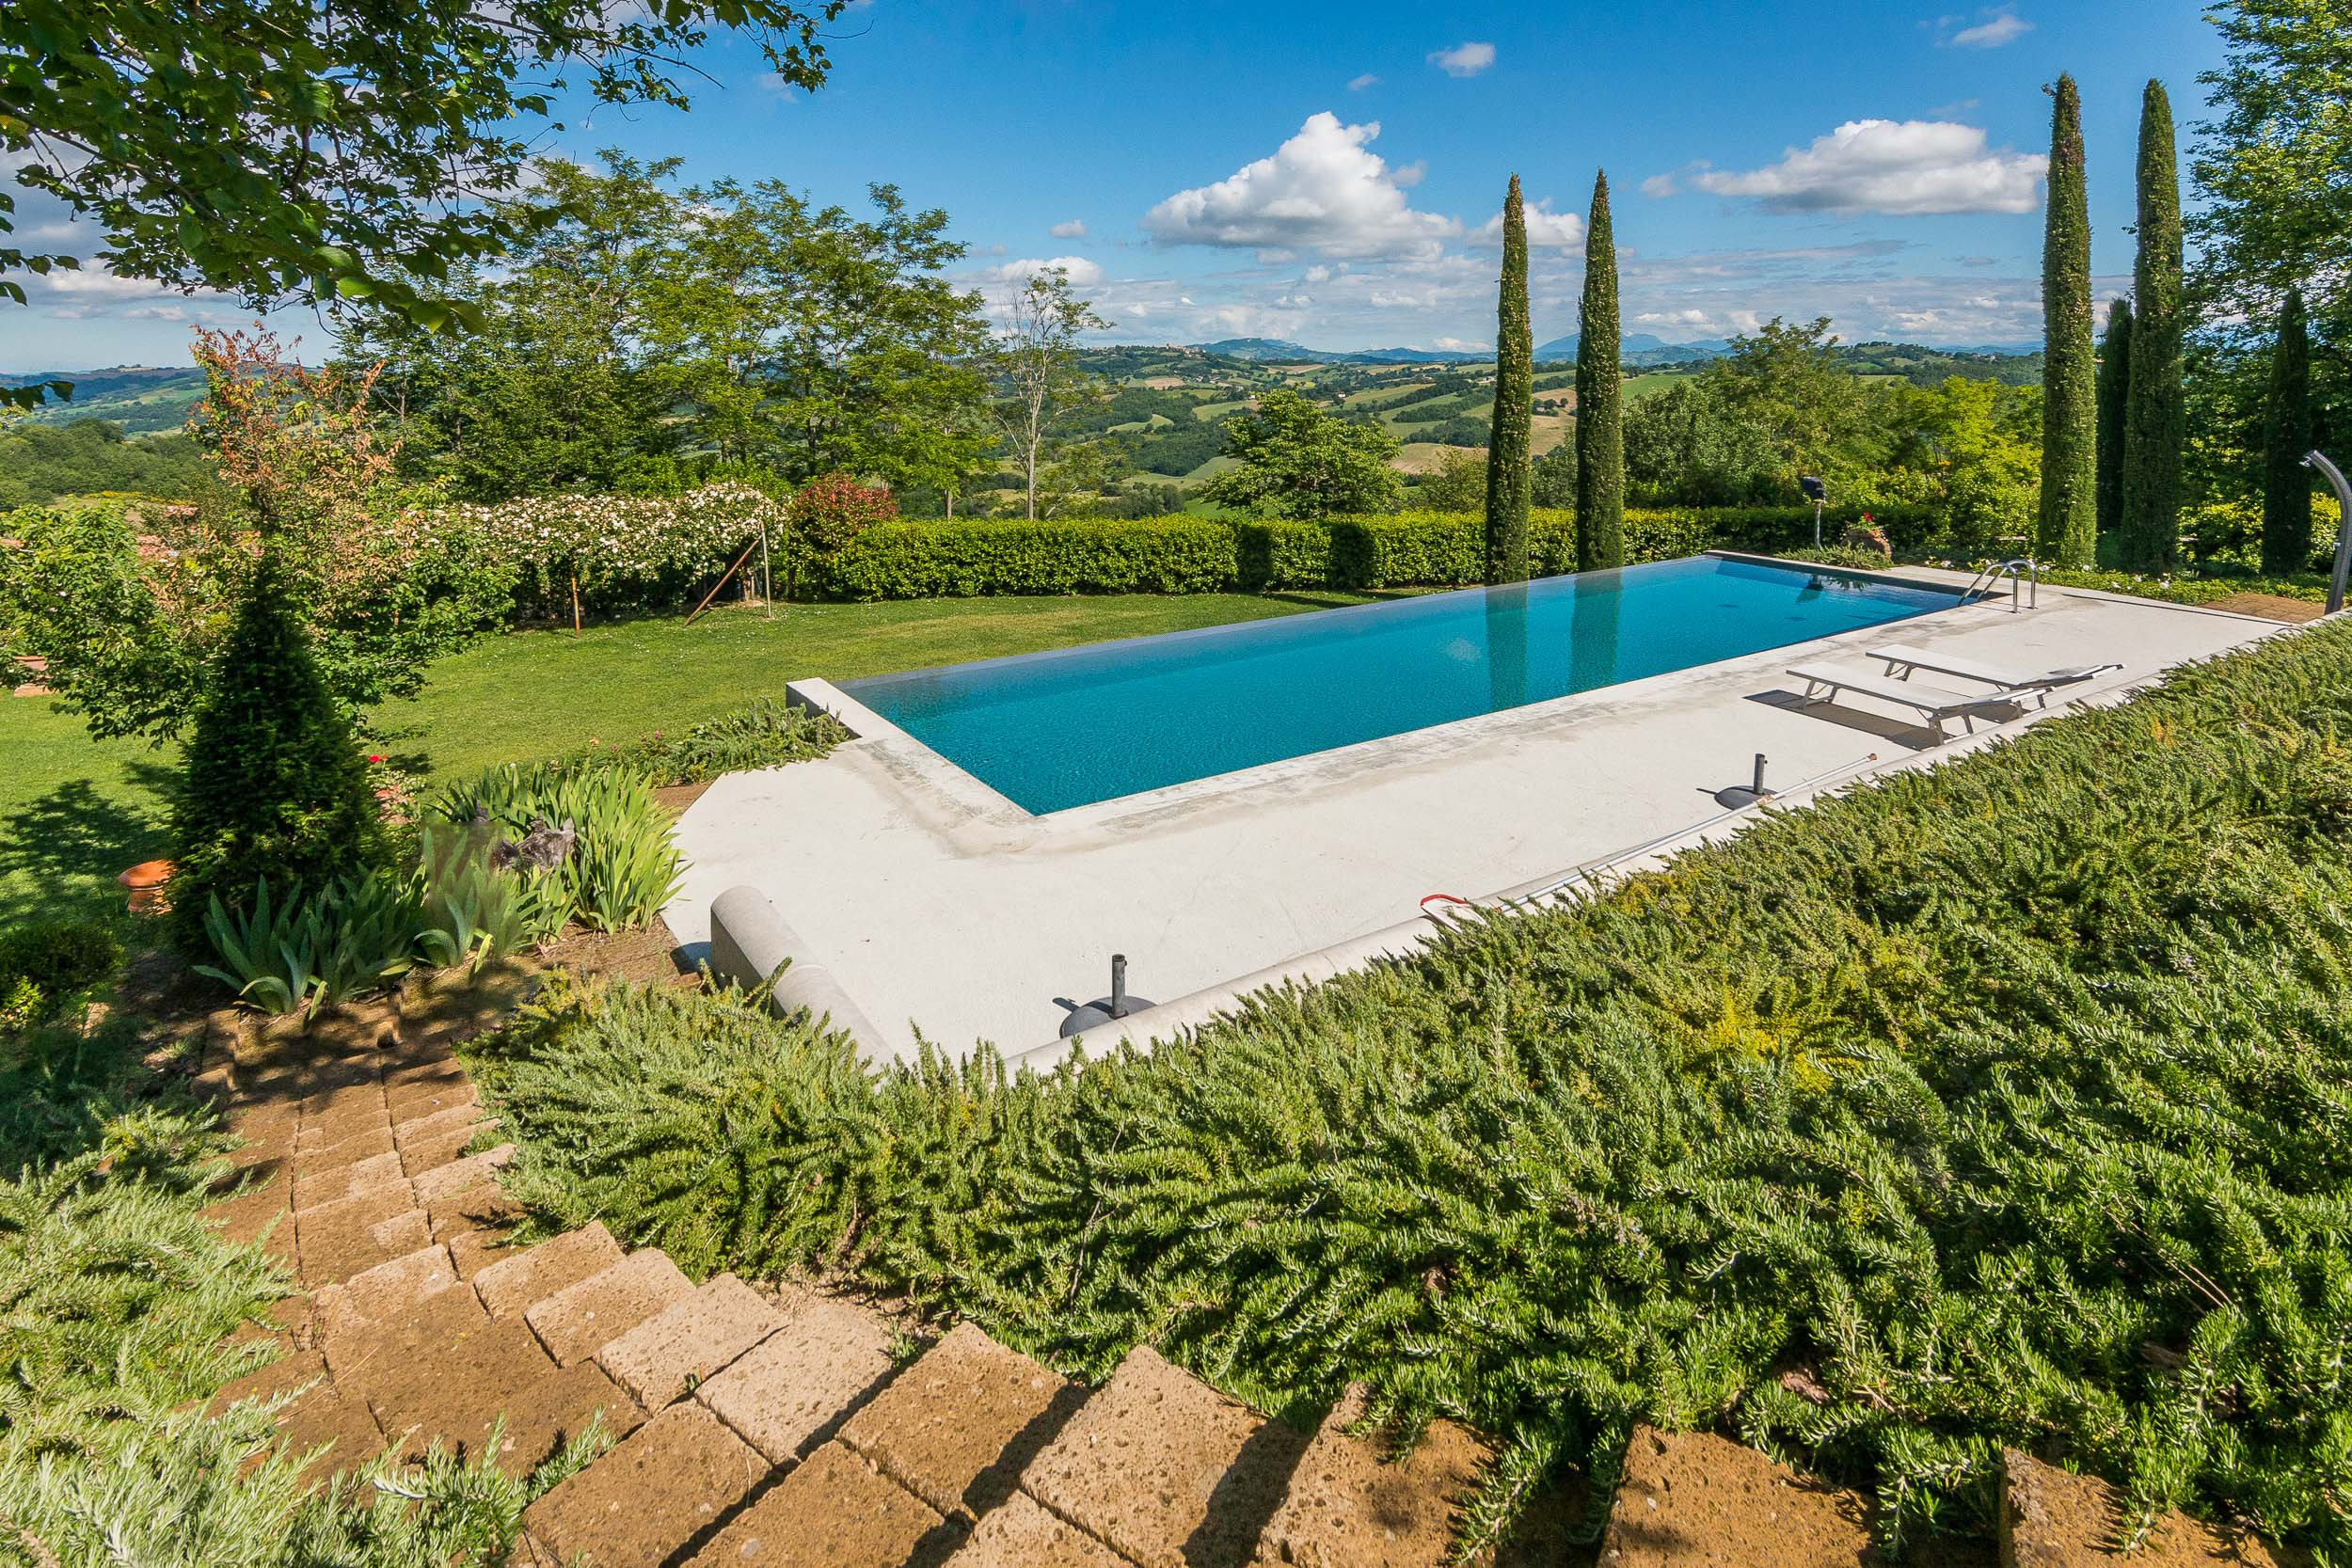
x: 2018, y: 570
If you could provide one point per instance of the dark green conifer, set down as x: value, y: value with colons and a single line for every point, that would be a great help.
x: 2067, y: 528
x: 1513, y: 428
x: 2115, y: 380
x: 2287, y: 435
x: 1599, y: 398
x: 276, y: 785
x: 2156, y: 418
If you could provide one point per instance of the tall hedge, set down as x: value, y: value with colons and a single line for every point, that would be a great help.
x: 2115, y: 380
x: 1599, y: 398
x: 2287, y: 435
x: 984, y: 557
x: 2155, y: 416
x: 275, y: 782
x: 2067, y: 526
x: 1511, y: 435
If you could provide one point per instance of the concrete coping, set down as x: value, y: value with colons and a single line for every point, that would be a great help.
x: 753, y: 946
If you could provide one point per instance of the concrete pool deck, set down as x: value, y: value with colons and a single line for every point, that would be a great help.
x: 936, y: 903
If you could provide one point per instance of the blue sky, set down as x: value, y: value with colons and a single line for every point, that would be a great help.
x: 1330, y: 172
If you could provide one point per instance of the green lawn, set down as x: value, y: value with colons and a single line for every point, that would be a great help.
x: 73, y: 811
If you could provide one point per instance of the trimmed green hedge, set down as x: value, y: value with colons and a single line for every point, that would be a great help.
x: 982, y: 558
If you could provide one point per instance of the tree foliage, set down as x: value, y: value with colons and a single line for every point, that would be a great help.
x: 276, y: 785
x: 2274, y: 171
x: 1300, y: 461
x: 131, y: 603
x: 1510, y: 430
x: 2114, y: 397
x: 2067, y: 523
x: 40, y: 463
x: 280, y: 149
x: 1036, y: 360
x: 2155, y: 420
x: 727, y: 322
x: 2286, y: 543
x: 1599, y: 398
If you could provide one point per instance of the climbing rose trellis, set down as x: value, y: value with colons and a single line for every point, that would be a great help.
x: 608, y: 546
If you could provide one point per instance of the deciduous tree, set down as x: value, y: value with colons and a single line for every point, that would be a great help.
x: 1036, y: 359
x: 1298, y: 460
x: 317, y: 150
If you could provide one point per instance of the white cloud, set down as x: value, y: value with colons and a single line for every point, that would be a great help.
x: 1461, y: 345
x: 1994, y: 29
x: 1082, y: 274
x: 1884, y: 166
x: 1323, y: 190
x: 1546, y: 229
x: 1463, y: 59
x: 1658, y: 186
x: 1412, y: 174
x: 1364, y: 83
x: 1075, y: 230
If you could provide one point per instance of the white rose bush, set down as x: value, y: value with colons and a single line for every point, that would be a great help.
x: 614, y: 550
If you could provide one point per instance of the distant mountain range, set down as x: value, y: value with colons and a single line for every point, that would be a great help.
x: 1639, y: 349
x: 143, y: 398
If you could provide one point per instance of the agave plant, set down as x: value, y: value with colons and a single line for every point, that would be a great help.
x: 471, y: 910
x: 302, y: 953
x: 623, y: 867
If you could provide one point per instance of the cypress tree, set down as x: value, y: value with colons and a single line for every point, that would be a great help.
x: 1513, y: 428
x: 1599, y: 398
x: 2287, y: 435
x: 2156, y: 418
x: 2067, y: 531
x: 275, y: 782
x: 2115, y: 380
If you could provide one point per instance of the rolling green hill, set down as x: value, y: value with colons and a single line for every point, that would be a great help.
x: 142, y: 399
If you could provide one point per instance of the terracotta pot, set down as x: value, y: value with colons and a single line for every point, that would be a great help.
x: 146, y: 881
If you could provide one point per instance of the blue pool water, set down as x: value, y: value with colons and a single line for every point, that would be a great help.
x: 1076, y: 726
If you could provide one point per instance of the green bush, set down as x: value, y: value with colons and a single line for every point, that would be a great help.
x: 623, y: 866
x: 44, y: 961
x: 275, y: 785
x: 470, y: 911
x: 762, y: 733
x: 2016, y: 1115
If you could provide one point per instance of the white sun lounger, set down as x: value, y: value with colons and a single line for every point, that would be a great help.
x: 1821, y: 683
x: 1902, y: 663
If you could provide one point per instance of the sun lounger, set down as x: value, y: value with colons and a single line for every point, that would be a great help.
x: 1902, y: 663
x: 1821, y: 683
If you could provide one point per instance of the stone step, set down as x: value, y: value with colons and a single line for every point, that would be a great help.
x: 959, y: 1427
x: 579, y: 1319
x: 510, y: 1284
x: 385, y: 1291
x: 668, y: 1356
x: 834, y: 1510
x: 1166, y: 1470
x: 1021, y: 1533
x: 649, y: 1499
x: 1688, y: 1500
x: 1349, y: 1506
x: 790, y: 1392
x: 2052, y: 1519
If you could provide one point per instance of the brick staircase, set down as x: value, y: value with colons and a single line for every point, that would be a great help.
x: 784, y: 1429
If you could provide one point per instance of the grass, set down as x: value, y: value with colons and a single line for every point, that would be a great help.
x: 73, y: 811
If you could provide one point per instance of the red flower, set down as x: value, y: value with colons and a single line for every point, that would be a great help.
x: 373, y: 757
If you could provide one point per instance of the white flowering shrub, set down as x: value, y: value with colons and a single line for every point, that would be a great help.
x: 614, y: 550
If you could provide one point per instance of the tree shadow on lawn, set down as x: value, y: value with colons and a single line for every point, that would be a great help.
x: 1311, y: 600
x: 60, y: 851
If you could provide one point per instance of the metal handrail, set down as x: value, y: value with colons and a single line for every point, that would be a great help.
x: 2018, y: 570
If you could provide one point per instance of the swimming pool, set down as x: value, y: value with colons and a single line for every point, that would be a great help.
x: 1076, y: 726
